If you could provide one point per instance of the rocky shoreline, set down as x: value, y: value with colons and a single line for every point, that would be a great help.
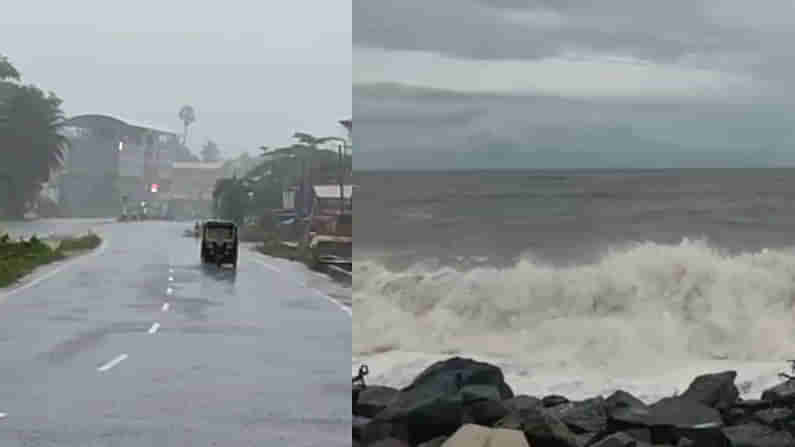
x: 461, y: 402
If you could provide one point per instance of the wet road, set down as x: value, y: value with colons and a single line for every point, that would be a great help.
x: 138, y: 344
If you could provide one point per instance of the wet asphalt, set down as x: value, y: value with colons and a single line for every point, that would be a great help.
x: 139, y: 344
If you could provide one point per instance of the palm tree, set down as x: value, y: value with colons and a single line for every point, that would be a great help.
x: 210, y: 151
x: 31, y: 142
x: 188, y: 117
x: 7, y: 71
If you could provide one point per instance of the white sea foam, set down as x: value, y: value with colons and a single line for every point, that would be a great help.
x: 645, y: 317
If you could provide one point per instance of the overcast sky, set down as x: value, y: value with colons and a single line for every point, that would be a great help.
x: 254, y: 71
x: 510, y: 83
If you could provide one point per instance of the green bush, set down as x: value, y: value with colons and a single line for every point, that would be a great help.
x: 18, y: 259
x: 87, y: 242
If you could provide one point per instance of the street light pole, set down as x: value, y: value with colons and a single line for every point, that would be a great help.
x: 342, y: 182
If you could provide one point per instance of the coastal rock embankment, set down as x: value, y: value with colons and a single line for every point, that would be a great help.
x: 461, y: 402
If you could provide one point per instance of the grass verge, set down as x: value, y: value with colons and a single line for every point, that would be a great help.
x: 20, y: 258
x: 86, y: 242
x: 273, y: 247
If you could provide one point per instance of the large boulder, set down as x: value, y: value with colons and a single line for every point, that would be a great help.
x: 371, y: 431
x: 519, y: 403
x: 554, y: 400
x: 774, y: 417
x: 390, y: 442
x: 617, y: 440
x: 625, y: 410
x: 373, y: 399
x: 471, y: 435
x: 586, y: 416
x: 783, y: 393
x: 486, y: 412
x: 436, y: 402
x: 683, y: 413
x: 461, y: 371
x: 714, y: 390
x: 671, y: 419
x: 540, y: 427
x: 757, y: 435
x: 358, y: 425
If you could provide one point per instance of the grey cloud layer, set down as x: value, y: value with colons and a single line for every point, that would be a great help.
x: 403, y: 127
x: 681, y: 31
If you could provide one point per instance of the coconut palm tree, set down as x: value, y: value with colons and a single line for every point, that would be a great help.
x: 7, y: 71
x: 31, y: 143
x: 188, y: 117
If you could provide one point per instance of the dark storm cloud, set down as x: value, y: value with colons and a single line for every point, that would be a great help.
x: 255, y: 72
x: 511, y: 29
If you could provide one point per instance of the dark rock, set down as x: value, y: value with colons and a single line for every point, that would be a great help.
x: 376, y: 430
x: 434, y: 404
x: 617, y: 440
x: 737, y: 416
x: 540, y: 427
x: 519, y: 403
x: 487, y: 412
x: 586, y: 416
x: 757, y: 435
x: 639, y: 434
x: 773, y: 417
x: 683, y: 413
x: 714, y: 390
x: 625, y: 410
x: 675, y: 417
x: 627, y: 417
x: 358, y: 425
x: 783, y: 393
x: 435, y: 442
x: 458, y: 372
x: 390, y: 442
x: 753, y: 404
x: 671, y: 419
x: 585, y: 439
x: 554, y: 400
x: 476, y: 393
x: 373, y: 399
x: 622, y: 399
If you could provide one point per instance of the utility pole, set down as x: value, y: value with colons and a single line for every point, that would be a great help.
x: 342, y: 181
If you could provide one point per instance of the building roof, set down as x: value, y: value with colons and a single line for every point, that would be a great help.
x: 86, y: 118
x: 333, y: 191
x: 197, y: 165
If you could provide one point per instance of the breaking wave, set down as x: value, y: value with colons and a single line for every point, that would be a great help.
x: 636, y: 307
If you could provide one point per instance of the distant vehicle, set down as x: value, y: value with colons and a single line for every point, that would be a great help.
x: 219, y: 243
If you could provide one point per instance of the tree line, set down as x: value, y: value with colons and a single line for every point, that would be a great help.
x: 261, y: 188
x: 32, y: 145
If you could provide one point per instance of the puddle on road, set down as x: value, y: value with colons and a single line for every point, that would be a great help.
x: 223, y: 329
x: 305, y: 304
x: 85, y: 340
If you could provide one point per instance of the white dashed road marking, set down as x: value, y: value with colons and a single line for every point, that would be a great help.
x: 112, y: 363
x: 165, y: 307
x: 154, y: 328
x: 331, y: 300
x: 3, y: 415
x: 169, y: 291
